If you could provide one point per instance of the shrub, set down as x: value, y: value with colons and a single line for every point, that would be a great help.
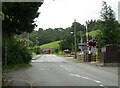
x: 37, y: 50
x: 16, y: 53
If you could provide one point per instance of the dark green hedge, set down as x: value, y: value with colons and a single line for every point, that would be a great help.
x: 16, y: 53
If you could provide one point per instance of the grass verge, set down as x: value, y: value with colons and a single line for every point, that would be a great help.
x: 17, y: 67
x: 78, y: 60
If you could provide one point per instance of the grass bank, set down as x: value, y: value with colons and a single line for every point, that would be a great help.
x: 78, y: 59
x: 53, y: 45
x: 16, y: 67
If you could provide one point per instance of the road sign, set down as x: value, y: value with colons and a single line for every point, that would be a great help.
x: 81, y: 44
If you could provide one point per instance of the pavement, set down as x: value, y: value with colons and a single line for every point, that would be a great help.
x: 52, y: 70
x: 36, y: 56
x: 19, y: 78
x: 0, y: 74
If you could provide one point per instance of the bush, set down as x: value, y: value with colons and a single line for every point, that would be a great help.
x: 16, y: 53
x: 37, y: 50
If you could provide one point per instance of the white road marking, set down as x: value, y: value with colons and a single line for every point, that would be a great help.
x: 99, y: 82
x: 65, y: 68
x: 68, y: 69
x: 61, y: 65
x: 101, y: 85
x: 79, y: 76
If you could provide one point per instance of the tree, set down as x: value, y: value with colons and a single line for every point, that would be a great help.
x: 109, y: 32
x: 18, y: 17
x: 79, y: 27
x: 68, y: 39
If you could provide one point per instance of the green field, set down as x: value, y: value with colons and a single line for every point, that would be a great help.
x: 94, y: 33
x: 53, y: 45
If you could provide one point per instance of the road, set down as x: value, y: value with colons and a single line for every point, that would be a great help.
x: 52, y: 70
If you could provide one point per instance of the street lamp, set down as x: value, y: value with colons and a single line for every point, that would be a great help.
x: 75, y: 55
x: 75, y: 38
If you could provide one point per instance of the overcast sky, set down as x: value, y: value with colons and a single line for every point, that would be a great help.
x: 61, y: 13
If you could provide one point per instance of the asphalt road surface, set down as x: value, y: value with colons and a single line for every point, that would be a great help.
x: 52, y: 70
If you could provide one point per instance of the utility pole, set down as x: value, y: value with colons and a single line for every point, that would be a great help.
x: 75, y: 38
x: 86, y: 54
x: 87, y: 35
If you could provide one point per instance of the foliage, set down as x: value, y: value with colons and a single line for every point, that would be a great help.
x: 16, y: 53
x: 53, y: 45
x: 37, y: 50
x: 94, y: 33
x: 1, y: 16
x: 79, y: 27
x: 109, y: 32
x: 68, y: 40
x: 47, y: 36
x: 21, y: 38
x: 106, y: 31
x: 18, y: 17
x: 94, y: 25
x: 18, y: 66
x: 67, y: 43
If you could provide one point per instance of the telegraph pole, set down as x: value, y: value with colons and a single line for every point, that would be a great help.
x: 87, y: 41
x: 87, y: 35
x: 75, y: 38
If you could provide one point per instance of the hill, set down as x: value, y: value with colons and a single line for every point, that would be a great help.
x: 53, y: 45
x: 94, y: 33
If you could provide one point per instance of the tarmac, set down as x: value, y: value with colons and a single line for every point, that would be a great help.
x: 20, y: 77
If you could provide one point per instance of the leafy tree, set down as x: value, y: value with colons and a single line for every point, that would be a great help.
x: 68, y: 40
x: 91, y: 25
x: 18, y: 17
x: 79, y: 27
x: 109, y: 32
x: 48, y: 35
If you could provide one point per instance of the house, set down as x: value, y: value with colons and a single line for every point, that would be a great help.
x: 47, y: 51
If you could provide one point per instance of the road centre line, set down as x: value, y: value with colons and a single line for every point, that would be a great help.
x: 65, y: 68
x: 99, y: 82
x: 103, y: 86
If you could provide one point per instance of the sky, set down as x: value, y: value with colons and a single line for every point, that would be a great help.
x: 61, y: 13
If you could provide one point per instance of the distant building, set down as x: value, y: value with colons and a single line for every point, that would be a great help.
x: 47, y: 51
x: 119, y: 11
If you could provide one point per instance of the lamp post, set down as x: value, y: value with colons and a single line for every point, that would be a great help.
x: 75, y: 38
x: 75, y: 42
